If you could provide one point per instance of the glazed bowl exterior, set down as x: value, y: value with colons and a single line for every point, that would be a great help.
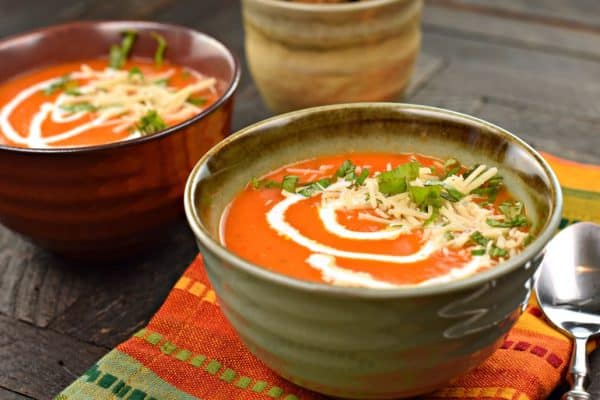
x: 304, y: 55
x: 360, y: 342
x: 107, y: 202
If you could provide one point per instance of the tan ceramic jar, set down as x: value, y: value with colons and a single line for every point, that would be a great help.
x: 303, y: 55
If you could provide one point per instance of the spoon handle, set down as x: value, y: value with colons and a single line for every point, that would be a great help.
x: 578, y: 372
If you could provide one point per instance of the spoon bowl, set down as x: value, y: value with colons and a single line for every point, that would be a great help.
x: 568, y: 290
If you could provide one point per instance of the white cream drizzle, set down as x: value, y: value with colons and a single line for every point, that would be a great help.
x: 276, y: 219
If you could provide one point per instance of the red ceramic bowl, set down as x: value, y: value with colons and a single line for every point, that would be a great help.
x: 107, y: 202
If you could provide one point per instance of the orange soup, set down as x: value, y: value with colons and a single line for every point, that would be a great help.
x: 97, y: 101
x: 376, y: 220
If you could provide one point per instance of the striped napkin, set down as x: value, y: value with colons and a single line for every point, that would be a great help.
x: 189, y: 351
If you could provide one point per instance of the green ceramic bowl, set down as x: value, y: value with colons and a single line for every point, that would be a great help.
x: 358, y: 342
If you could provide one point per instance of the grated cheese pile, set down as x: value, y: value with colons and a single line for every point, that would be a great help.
x: 454, y: 224
x: 121, y: 98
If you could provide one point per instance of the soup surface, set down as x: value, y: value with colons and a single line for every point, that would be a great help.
x: 97, y: 101
x: 376, y: 220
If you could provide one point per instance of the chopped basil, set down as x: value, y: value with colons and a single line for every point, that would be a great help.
x: 451, y: 167
x: 347, y: 168
x: 265, y: 183
x: 197, y: 101
x: 314, y: 187
x: 497, y: 252
x: 426, y: 196
x: 161, y: 82
x: 79, y: 107
x: 73, y: 89
x: 513, y: 213
x: 478, y: 252
x: 396, y: 181
x: 289, y: 183
x: 159, y: 54
x: 360, y: 179
x: 452, y: 194
x: 135, y: 72
x: 150, y: 123
x: 490, y: 189
x: 478, y: 238
x: 517, y: 222
x: 435, y: 213
x: 119, y: 53
x: 59, y: 84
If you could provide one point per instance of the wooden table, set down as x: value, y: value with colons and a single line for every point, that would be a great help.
x: 532, y: 66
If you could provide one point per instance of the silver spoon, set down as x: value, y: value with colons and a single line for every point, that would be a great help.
x: 568, y: 290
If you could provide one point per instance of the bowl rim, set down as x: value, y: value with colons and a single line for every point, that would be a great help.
x: 227, y: 93
x: 327, y: 8
x: 531, y: 251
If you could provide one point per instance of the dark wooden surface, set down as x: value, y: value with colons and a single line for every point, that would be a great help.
x: 532, y: 66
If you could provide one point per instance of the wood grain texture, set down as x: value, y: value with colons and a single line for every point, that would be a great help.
x: 9, y: 395
x: 545, y: 131
x: 125, y: 296
x: 572, y: 14
x: 493, y: 28
x: 528, y: 65
x: 38, y: 362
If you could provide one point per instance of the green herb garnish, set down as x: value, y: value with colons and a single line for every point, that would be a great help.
x: 513, y: 213
x: 497, y: 252
x: 150, y: 123
x: 396, y: 181
x: 478, y: 252
x: 347, y: 168
x: 448, y: 235
x: 161, y: 82
x: 265, y: 183
x: 426, y: 196
x: 289, y: 183
x: 478, y: 238
x: 59, y: 84
x: 314, y: 187
x: 119, y: 53
x: 452, y: 194
x: 79, y: 107
x: 490, y: 189
x: 197, y: 101
x: 135, y: 72
x: 451, y: 167
x: 360, y: 179
x: 159, y: 54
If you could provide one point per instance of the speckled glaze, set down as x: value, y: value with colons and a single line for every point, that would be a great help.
x: 303, y: 55
x: 108, y: 202
x: 356, y: 342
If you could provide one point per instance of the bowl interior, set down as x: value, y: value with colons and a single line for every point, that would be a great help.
x: 82, y: 40
x: 382, y: 127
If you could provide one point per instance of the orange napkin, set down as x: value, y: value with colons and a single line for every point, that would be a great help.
x: 189, y: 351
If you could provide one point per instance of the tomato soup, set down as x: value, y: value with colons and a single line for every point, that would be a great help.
x: 376, y: 220
x: 97, y: 101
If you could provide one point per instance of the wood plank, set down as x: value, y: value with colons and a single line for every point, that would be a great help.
x: 550, y: 82
x: 9, y: 395
x: 572, y: 138
x: 451, y: 21
x: 573, y: 14
x: 31, y: 14
x: 35, y: 286
x: 39, y: 363
x: 125, y: 296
